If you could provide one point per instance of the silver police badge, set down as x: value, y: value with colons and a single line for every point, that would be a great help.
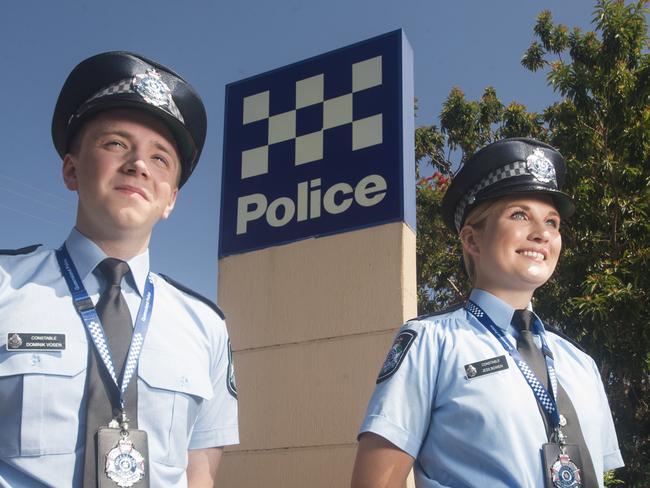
x: 124, y: 464
x: 14, y: 341
x: 470, y: 370
x: 152, y: 88
x: 541, y: 167
x: 565, y: 474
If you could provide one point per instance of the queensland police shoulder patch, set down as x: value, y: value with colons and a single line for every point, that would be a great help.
x: 396, y: 354
x: 230, y: 379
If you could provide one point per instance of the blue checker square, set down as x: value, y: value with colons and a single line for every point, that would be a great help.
x: 321, y: 146
x: 309, y: 119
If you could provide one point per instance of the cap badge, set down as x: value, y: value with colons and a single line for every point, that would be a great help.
x: 540, y: 167
x: 152, y: 88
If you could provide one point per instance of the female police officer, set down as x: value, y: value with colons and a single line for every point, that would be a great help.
x: 483, y: 395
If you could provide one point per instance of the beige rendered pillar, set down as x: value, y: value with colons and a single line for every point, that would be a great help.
x: 310, y: 324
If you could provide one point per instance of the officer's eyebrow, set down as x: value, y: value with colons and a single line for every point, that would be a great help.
x: 167, y: 148
x: 527, y: 208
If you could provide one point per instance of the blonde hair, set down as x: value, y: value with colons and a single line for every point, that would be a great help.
x: 476, y: 219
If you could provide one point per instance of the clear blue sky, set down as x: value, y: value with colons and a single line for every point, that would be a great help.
x: 470, y: 44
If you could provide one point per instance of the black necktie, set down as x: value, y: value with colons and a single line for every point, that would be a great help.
x: 523, y: 320
x: 102, y: 404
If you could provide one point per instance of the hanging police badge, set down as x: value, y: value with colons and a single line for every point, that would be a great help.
x: 565, y: 473
x: 396, y: 354
x: 126, y: 455
x: 125, y: 464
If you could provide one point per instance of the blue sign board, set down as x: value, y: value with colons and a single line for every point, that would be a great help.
x: 319, y: 147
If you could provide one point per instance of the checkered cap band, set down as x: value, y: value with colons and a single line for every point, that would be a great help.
x: 508, y: 171
x: 97, y: 335
x: 126, y: 86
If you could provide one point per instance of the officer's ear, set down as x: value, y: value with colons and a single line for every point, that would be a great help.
x: 69, y: 172
x: 470, y: 239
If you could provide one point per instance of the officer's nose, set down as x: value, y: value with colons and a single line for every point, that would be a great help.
x: 136, y: 166
x: 539, y: 232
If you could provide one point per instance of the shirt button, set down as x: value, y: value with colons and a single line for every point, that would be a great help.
x: 35, y: 359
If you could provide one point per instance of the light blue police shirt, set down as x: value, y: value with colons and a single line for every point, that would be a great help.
x: 183, y: 374
x: 486, y: 431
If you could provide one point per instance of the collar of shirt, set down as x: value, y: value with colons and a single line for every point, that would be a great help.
x: 500, y: 312
x: 86, y: 255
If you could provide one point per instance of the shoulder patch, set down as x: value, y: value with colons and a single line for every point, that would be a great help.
x: 450, y: 308
x: 558, y: 332
x: 18, y: 252
x: 231, y: 385
x: 396, y: 354
x: 196, y: 295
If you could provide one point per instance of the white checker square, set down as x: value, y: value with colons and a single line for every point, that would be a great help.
x: 337, y: 111
x: 309, y: 148
x: 367, y: 132
x: 282, y: 127
x: 255, y: 162
x: 256, y: 107
x: 310, y: 91
x: 366, y: 74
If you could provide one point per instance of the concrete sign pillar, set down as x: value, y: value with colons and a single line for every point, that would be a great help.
x: 317, y: 254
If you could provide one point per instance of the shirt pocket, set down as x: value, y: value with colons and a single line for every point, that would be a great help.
x: 170, y: 396
x: 40, y: 397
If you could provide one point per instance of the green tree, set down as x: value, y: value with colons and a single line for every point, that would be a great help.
x: 600, y: 293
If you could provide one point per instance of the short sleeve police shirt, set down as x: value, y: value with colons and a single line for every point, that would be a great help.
x: 485, y: 430
x: 186, y: 396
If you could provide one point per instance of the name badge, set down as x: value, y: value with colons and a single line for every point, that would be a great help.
x: 35, y: 342
x: 487, y: 366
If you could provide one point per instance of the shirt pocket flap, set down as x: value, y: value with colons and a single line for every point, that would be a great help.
x: 186, y: 375
x: 69, y: 362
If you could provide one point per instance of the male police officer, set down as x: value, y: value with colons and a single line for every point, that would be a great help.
x: 111, y: 375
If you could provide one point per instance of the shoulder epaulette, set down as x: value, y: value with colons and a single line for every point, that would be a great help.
x: 558, y: 332
x: 196, y: 295
x: 18, y: 252
x: 450, y: 308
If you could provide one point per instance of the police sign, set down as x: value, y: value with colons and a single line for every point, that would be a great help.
x: 319, y: 147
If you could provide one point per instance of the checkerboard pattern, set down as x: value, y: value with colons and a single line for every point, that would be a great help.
x: 477, y: 312
x: 99, y: 339
x: 508, y: 171
x: 336, y: 111
x: 132, y: 360
x: 538, y: 389
x: 126, y: 86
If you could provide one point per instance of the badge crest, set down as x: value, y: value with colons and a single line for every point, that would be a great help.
x: 124, y: 464
x: 541, y: 167
x: 152, y: 88
x: 14, y: 341
x: 470, y: 370
x: 396, y: 354
x: 565, y: 474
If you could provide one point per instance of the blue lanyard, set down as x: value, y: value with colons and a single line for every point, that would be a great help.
x: 86, y: 309
x: 547, y: 401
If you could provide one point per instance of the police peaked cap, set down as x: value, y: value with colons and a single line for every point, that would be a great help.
x: 121, y: 79
x: 502, y: 168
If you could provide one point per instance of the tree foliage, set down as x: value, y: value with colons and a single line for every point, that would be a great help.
x: 600, y: 293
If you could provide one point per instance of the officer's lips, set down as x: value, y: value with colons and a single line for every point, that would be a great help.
x: 535, y: 254
x: 132, y: 190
